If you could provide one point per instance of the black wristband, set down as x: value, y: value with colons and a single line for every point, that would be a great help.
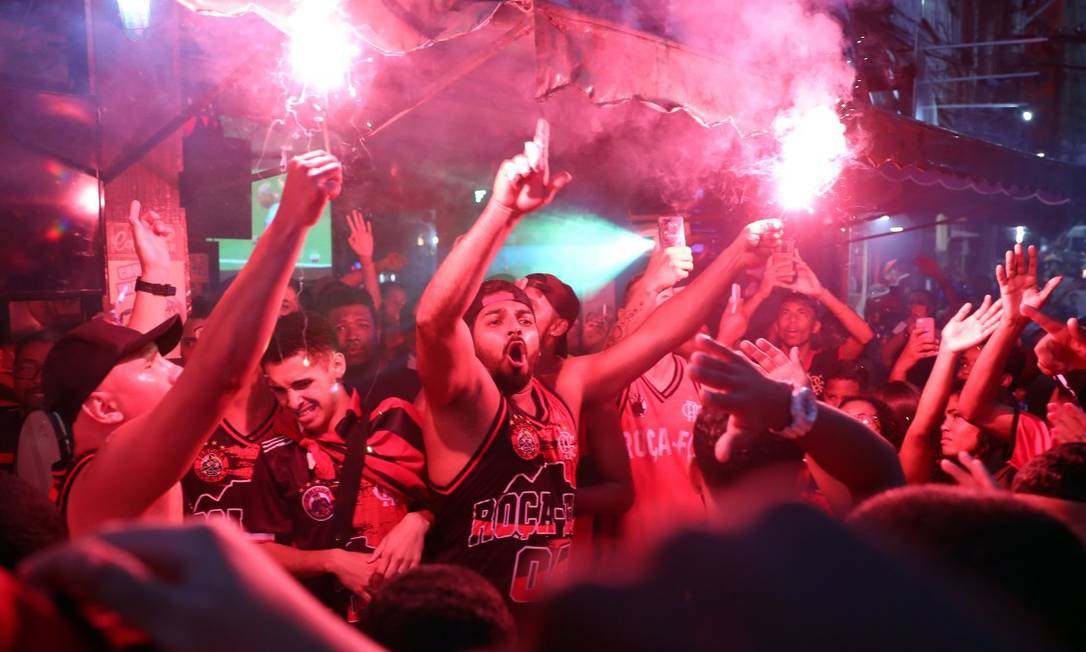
x: 161, y: 290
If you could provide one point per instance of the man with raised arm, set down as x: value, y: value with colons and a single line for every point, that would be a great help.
x: 138, y: 423
x: 501, y: 447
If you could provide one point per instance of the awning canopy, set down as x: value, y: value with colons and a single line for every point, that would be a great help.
x: 472, y: 76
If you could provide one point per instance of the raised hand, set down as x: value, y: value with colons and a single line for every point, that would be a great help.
x: 1063, y: 348
x: 775, y: 364
x: 917, y: 348
x: 779, y: 275
x: 806, y: 281
x: 1068, y: 423
x: 756, y: 242
x: 313, y: 179
x: 176, y: 584
x: 731, y: 383
x: 667, y: 267
x: 1017, y: 278
x: 524, y: 183
x: 151, y: 236
x: 964, y: 331
x: 360, y: 236
x: 971, y: 473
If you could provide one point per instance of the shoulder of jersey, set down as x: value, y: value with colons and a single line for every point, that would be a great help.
x: 270, y: 444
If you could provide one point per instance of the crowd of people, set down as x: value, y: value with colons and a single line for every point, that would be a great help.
x: 488, y: 467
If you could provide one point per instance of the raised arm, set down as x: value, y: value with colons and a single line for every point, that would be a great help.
x: 920, y: 447
x: 734, y: 322
x: 360, y: 237
x: 846, y: 449
x: 603, y: 375
x: 916, y: 349
x: 151, y: 236
x: 446, y: 356
x: 1017, y: 280
x: 166, y: 440
x: 859, y: 333
x: 666, y: 268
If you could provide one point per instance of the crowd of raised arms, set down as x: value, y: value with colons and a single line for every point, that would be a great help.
x: 485, y: 467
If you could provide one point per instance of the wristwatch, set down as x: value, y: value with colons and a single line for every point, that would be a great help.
x: 804, y: 410
x: 158, y: 289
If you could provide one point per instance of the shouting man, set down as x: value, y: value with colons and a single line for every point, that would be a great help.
x: 501, y: 446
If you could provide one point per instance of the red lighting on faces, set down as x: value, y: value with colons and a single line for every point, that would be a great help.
x: 813, y: 151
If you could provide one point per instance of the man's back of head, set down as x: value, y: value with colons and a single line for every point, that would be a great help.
x: 995, y: 540
x: 435, y: 608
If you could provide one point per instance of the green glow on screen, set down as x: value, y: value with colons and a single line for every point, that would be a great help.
x: 584, y: 250
x: 317, y: 250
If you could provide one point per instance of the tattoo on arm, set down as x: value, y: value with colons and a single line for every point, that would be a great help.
x: 629, y: 318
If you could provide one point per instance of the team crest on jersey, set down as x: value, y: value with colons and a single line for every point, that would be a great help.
x: 211, y: 464
x: 318, y: 502
x: 691, y: 410
x: 525, y: 440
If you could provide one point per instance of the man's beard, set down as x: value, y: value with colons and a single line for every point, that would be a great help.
x: 511, y: 381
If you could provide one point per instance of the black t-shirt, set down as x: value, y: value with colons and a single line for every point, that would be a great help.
x: 821, y: 366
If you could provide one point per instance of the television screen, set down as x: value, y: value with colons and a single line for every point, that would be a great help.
x: 316, y: 256
x: 50, y: 198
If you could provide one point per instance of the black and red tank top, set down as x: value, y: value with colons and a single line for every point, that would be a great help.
x: 508, y: 515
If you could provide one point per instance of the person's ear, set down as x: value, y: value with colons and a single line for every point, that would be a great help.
x: 817, y: 327
x: 559, y: 328
x: 338, y: 365
x: 101, y: 408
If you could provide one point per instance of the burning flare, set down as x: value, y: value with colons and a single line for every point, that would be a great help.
x: 813, y: 151
x: 322, y: 45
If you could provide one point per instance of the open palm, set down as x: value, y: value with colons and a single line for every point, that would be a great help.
x: 964, y: 331
x: 1017, y: 279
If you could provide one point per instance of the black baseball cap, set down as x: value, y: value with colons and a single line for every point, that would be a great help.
x: 81, y: 360
x: 561, y: 297
x: 493, y: 291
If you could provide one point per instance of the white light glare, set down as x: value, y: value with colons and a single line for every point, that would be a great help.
x: 479, y: 195
x: 322, y: 46
x: 1040, y: 154
x: 1019, y: 234
x: 1027, y: 116
x: 135, y: 14
x: 885, y: 218
x: 813, y: 151
x: 896, y: 229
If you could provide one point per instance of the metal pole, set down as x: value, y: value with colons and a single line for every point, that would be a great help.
x: 981, y: 44
x: 992, y: 105
x: 1007, y: 75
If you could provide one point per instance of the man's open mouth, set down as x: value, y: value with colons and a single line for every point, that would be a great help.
x: 517, y: 351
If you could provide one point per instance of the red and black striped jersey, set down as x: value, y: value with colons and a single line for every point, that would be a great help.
x: 219, y: 483
x: 294, y: 505
x: 508, y: 515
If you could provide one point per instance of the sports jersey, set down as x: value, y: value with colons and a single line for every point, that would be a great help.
x: 63, y: 479
x: 508, y: 515
x: 1032, y: 437
x: 219, y: 484
x: 294, y: 506
x: 658, y: 425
